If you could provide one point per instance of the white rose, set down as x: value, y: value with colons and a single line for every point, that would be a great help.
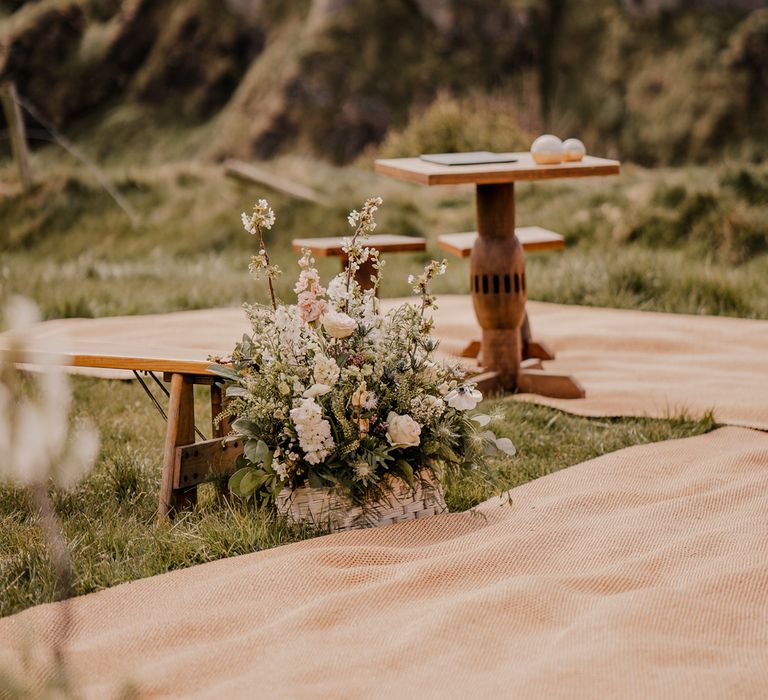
x: 316, y: 390
x: 403, y: 431
x: 463, y: 398
x: 338, y: 324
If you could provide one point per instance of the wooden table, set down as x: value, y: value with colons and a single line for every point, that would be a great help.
x: 497, y: 275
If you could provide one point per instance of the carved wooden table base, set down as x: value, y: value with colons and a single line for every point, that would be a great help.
x: 498, y: 287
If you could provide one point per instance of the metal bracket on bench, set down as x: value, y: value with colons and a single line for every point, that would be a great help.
x: 156, y: 403
x: 193, y: 463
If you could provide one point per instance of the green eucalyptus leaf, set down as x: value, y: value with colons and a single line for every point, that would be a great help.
x: 245, y: 427
x: 235, y: 391
x: 251, y: 481
x: 506, y: 446
x: 256, y: 451
x: 224, y: 371
x: 447, y: 453
x: 490, y: 449
x: 246, y: 346
x: 235, y: 481
x: 406, y: 470
x: 315, y: 481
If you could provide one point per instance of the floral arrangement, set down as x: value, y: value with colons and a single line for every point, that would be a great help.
x: 330, y: 392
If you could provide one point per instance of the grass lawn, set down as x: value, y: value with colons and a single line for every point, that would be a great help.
x: 688, y: 240
x: 110, y: 518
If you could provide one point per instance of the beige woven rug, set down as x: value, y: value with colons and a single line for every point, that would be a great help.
x: 641, y: 574
x: 630, y: 362
x: 642, y: 363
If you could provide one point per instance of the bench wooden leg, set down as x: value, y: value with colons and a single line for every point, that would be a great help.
x: 180, y: 431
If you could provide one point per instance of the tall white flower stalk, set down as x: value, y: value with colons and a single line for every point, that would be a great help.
x: 38, y: 444
x: 262, y: 217
x: 364, y: 223
x: 420, y: 286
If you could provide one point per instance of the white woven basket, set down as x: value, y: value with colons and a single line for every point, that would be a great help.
x: 326, y: 509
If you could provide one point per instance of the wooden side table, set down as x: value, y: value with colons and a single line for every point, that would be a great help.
x: 497, y: 276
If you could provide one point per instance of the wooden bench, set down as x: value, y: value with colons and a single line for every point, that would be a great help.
x: 532, y: 238
x: 139, y: 344
x: 384, y: 243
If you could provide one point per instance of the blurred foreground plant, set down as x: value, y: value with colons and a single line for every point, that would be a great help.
x: 39, y: 445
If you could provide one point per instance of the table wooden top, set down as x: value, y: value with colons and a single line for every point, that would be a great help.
x: 424, y: 173
x: 331, y: 246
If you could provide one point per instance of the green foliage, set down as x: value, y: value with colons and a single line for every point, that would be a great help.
x: 729, y: 219
x: 660, y: 87
x: 256, y: 481
x: 658, y: 84
x: 450, y: 124
x: 633, y: 277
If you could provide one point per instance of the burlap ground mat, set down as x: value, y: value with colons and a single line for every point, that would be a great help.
x: 630, y: 362
x: 642, y: 363
x: 643, y: 573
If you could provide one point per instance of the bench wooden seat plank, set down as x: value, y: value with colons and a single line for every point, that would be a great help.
x: 119, y: 361
x: 141, y: 342
x: 532, y: 238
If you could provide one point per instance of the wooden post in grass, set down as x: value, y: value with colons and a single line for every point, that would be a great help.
x: 17, y: 133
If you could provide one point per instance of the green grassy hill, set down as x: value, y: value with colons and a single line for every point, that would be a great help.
x: 655, y: 82
x: 689, y: 239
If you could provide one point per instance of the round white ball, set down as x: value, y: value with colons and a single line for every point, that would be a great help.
x: 547, y: 149
x: 573, y: 150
